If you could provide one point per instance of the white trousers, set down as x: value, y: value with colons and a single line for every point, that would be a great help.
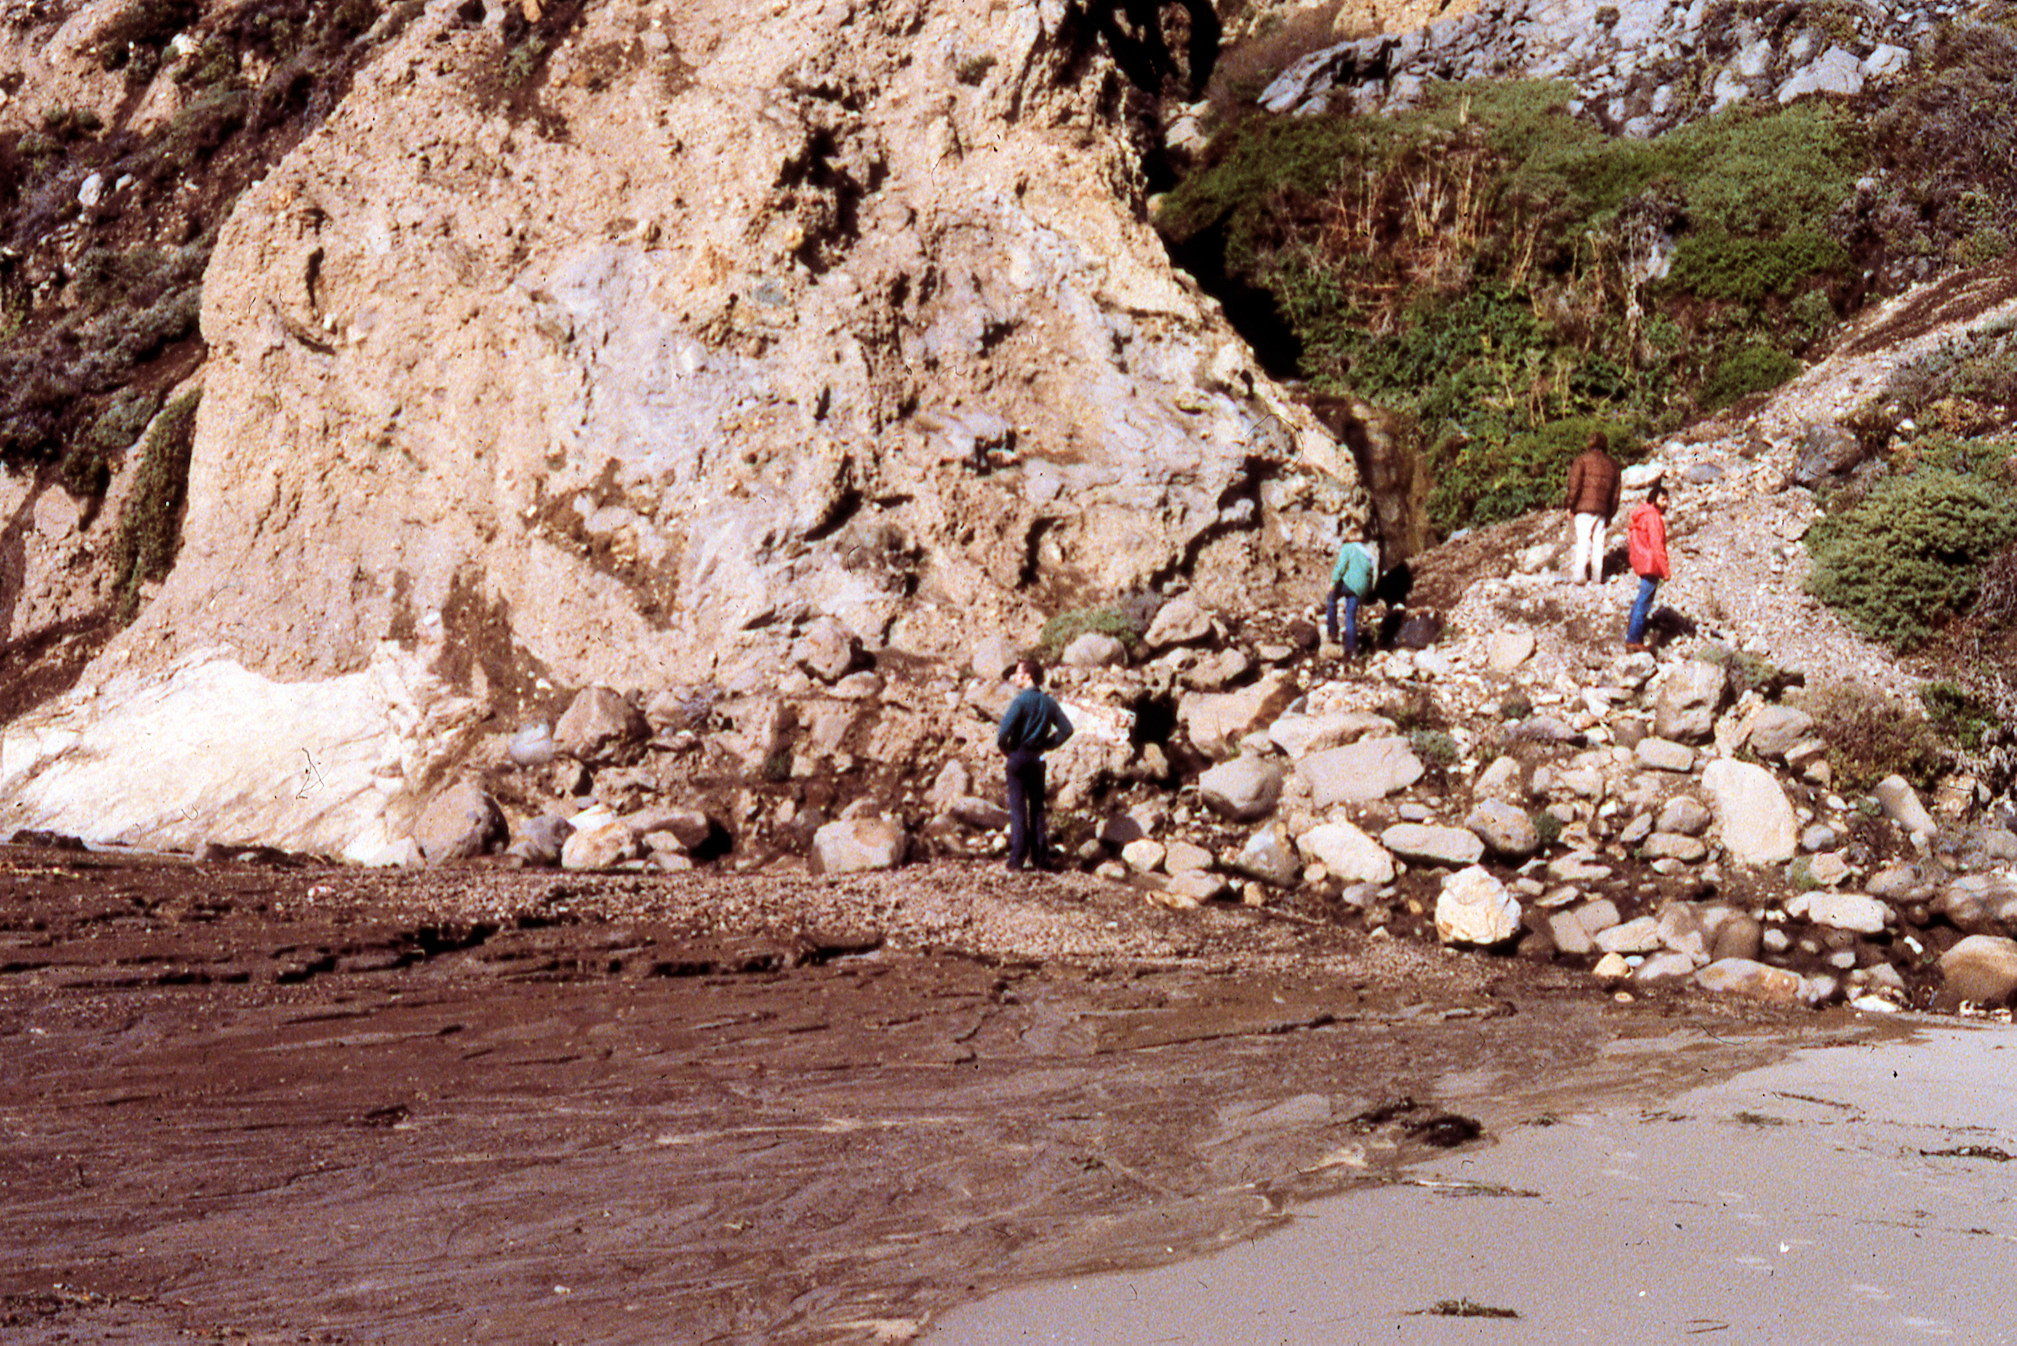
x: 1589, y: 553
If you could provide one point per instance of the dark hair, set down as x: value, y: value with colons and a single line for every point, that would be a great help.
x: 1656, y: 492
x: 1598, y: 441
x: 1035, y: 667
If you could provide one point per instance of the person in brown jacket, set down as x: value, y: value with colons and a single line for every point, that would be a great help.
x: 1594, y: 482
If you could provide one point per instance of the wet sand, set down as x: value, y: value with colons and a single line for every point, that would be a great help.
x: 1851, y: 1193
x: 278, y: 1103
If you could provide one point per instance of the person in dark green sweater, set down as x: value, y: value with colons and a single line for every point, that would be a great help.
x: 1031, y: 727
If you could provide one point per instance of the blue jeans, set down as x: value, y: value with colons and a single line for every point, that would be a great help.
x: 1642, y: 608
x: 1351, y: 618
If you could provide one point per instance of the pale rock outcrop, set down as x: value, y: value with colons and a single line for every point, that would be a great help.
x: 171, y: 760
x: 1475, y: 907
x: 1754, y: 819
x: 1094, y: 649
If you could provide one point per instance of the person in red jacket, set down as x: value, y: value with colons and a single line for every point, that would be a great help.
x: 1648, y: 552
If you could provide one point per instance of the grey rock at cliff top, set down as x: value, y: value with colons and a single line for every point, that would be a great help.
x: 1635, y: 66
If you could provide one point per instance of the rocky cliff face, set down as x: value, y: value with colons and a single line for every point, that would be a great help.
x: 702, y: 328
x: 612, y: 343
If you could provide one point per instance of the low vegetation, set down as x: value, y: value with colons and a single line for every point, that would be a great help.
x: 1506, y: 276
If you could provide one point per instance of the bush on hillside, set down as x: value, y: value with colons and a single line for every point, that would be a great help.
x: 1754, y: 368
x: 1907, y: 556
x: 1869, y: 738
x: 1487, y: 483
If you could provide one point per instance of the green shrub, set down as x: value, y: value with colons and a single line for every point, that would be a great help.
x: 1436, y: 747
x: 1961, y: 717
x: 1713, y: 264
x: 122, y: 422
x: 1907, y: 556
x: 1548, y: 827
x: 1486, y: 482
x: 1752, y: 368
x: 150, y: 532
x: 1060, y: 631
x: 1869, y: 738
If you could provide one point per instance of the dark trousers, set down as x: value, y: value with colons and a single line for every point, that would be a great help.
x: 1027, y: 842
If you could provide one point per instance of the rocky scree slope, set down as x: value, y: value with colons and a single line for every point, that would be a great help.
x: 620, y: 348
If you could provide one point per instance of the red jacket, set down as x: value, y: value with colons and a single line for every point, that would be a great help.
x: 1648, y: 543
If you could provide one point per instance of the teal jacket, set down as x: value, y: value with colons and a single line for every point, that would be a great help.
x: 1033, y: 721
x: 1354, y: 570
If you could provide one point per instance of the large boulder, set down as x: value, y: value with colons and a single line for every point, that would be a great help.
x: 461, y: 822
x: 1504, y: 828
x: 1776, y: 729
x: 601, y: 725
x: 1747, y: 977
x: 1474, y: 907
x: 1686, y: 700
x: 1980, y: 903
x: 1422, y: 843
x: 1347, y: 853
x: 1215, y: 722
x: 1753, y: 816
x: 859, y: 845
x: 1181, y: 621
x: 1900, y: 802
x: 1300, y: 735
x: 1360, y: 772
x: 826, y: 649
x: 1981, y: 969
x: 1244, y: 789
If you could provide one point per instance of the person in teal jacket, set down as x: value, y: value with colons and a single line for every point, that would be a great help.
x: 1031, y: 727
x: 1354, y: 575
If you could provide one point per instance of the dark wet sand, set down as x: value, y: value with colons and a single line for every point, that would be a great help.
x: 298, y: 1104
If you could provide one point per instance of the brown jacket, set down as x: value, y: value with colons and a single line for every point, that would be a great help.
x: 1594, y: 482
